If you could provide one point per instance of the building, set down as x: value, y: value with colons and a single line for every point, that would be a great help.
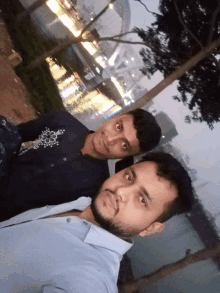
x: 167, y: 126
x: 115, y: 21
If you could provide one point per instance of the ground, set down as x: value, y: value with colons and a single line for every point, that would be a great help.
x: 14, y: 98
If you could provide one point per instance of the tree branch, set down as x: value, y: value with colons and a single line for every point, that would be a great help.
x: 154, y: 13
x: 122, y: 35
x: 212, y: 251
x: 194, y: 37
x: 96, y: 17
x: 213, y: 19
x: 120, y: 41
x: 177, y: 74
x: 184, y: 25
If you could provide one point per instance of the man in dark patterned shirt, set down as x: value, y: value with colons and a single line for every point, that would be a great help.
x: 66, y: 160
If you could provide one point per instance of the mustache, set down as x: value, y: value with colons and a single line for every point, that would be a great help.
x: 115, y: 198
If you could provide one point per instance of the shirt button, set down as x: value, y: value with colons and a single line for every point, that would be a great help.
x: 64, y: 159
x: 68, y: 220
x: 52, y: 165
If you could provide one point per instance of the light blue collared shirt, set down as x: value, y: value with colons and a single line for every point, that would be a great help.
x: 57, y: 255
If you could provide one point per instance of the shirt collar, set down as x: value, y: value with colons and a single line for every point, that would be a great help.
x: 100, y: 237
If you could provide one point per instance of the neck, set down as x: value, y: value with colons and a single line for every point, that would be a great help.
x: 88, y: 216
x: 88, y: 146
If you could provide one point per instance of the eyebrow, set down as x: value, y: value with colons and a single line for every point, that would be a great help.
x: 142, y: 188
x: 146, y: 193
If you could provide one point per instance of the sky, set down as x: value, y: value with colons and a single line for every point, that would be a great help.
x: 195, y: 139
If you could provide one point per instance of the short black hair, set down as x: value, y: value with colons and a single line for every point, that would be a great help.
x: 171, y: 169
x: 148, y: 130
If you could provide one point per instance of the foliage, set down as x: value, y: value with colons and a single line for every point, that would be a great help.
x: 182, y: 29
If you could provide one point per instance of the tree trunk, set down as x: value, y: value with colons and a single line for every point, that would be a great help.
x: 67, y: 43
x: 172, y: 77
x: 204, y: 254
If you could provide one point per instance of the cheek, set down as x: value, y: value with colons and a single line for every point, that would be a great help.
x: 132, y: 216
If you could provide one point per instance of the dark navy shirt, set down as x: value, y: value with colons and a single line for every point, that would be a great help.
x: 52, y: 170
x: 10, y: 142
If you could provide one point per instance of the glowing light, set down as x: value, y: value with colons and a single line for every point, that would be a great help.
x: 111, y: 61
x: 111, y: 6
x: 89, y: 48
x: 132, y: 58
x: 127, y: 61
x: 127, y: 102
x: 102, y: 102
x: 128, y: 98
x: 67, y: 4
x: 66, y: 20
x: 76, y: 33
x: 97, y: 69
x: 115, y: 109
x: 133, y: 74
x: 63, y: 17
x: 70, y: 24
x: 70, y: 90
x: 53, y: 5
x: 100, y: 60
x: 57, y: 71
x: 118, y: 86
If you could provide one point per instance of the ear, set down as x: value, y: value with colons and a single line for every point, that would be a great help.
x: 156, y: 227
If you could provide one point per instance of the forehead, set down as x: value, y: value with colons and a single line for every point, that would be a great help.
x: 159, y: 189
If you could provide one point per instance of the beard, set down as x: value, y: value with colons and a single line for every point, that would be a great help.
x: 108, y: 224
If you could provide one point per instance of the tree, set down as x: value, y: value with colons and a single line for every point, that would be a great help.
x: 152, y: 44
x: 193, y: 174
x: 212, y: 251
x: 182, y: 29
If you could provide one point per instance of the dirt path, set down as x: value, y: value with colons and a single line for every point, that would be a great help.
x: 14, y: 99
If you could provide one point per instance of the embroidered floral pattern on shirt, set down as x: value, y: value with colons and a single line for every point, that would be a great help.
x: 48, y: 138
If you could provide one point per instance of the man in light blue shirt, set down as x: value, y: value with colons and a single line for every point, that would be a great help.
x: 76, y: 247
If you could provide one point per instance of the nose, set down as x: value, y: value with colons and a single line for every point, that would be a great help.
x: 114, y: 139
x: 122, y: 193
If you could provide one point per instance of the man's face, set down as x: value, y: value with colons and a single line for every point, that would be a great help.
x: 116, y: 138
x: 130, y: 202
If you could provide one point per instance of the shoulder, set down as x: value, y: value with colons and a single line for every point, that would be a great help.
x: 89, y: 280
x: 63, y: 118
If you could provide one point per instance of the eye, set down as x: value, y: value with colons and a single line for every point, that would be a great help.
x: 118, y: 126
x: 124, y: 146
x: 143, y: 200
x: 128, y: 177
